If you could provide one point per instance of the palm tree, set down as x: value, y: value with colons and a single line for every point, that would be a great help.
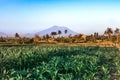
x: 109, y: 32
x: 47, y: 37
x: 59, y: 33
x: 116, y: 32
x: 53, y: 34
x: 65, y: 31
x: 17, y: 36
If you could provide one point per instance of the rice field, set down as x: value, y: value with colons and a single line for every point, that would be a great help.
x: 59, y: 63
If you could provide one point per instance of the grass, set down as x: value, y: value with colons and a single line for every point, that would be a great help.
x: 59, y: 63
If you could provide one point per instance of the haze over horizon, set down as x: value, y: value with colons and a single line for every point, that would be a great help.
x: 83, y: 16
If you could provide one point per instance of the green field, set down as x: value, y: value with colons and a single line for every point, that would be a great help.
x: 59, y: 63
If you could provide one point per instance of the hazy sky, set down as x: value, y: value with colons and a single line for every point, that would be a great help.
x: 83, y: 16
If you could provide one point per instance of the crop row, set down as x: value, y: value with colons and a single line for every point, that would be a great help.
x: 59, y: 63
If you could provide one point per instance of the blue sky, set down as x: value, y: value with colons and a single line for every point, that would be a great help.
x: 83, y: 16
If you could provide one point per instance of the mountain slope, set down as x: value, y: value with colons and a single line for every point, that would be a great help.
x: 55, y: 29
x: 2, y: 34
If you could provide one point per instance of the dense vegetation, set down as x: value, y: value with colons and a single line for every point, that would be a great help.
x: 62, y: 37
x: 59, y: 63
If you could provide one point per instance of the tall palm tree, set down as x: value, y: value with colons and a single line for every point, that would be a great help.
x: 66, y: 31
x: 116, y: 32
x: 59, y: 33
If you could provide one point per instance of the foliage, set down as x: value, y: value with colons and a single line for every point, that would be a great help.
x: 59, y: 63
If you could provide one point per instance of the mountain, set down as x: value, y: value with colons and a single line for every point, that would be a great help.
x: 55, y: 29
x: 29, y: 35
x: 3, y: 34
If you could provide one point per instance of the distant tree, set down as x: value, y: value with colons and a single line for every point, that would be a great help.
x: 37, y: 38
x: 96, y: 35
x: 17, y: 36
x: 83, y: 36
x: 59, y: 33
x: 105, y: 33
x: 44, y: 37
x: 92, y: 38
x: 109, y: 32
x: 65, y: 31
x: 53, y: 34
x: 116, y: 32
x: 47, y: 37
x: 26, y: 40
x: 2, y: 39
x: 70, y: 35
x: 102, y: 37
x: 31, y: 40
x: 59, y: 38
x: 70, y: 38
x: 77, y: 37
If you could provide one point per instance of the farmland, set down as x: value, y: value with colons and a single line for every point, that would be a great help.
x: 59, y: 63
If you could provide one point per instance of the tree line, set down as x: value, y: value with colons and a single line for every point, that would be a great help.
x: 57, y: 37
